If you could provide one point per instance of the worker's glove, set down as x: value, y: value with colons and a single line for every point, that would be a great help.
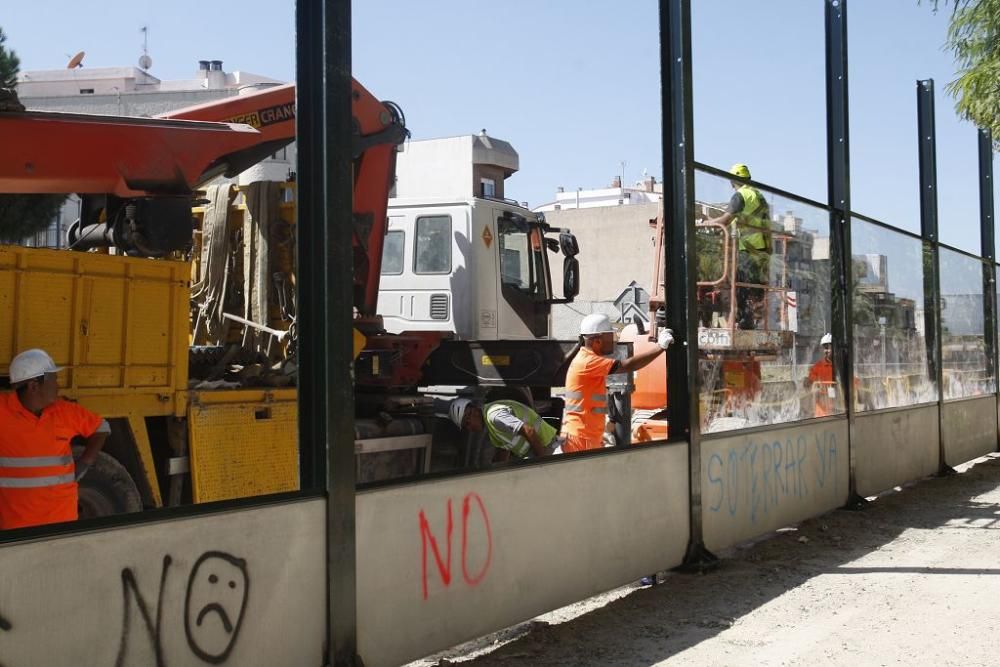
x: 81, y: 470
x: 665, y: 338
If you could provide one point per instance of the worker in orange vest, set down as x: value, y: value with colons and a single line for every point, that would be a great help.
x: 38, y: 477
x: 821, y: 380
x: 586, y: 392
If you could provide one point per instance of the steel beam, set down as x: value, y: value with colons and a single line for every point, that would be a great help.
x: 838, y: 156
x: 927, y: 154
x: 681, y: 302
x: 325, y: 269
x: 987, y: 230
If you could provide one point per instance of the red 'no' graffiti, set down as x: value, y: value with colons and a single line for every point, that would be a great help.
x: 444, y: 565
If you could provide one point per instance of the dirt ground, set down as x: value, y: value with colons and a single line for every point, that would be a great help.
x: 911, y: 580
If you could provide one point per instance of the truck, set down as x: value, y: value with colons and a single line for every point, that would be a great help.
x: 159, y: 364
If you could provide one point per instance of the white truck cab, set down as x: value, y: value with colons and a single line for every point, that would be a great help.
x: 476, y: 267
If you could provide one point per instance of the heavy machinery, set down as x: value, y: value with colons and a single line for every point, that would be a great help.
x: 120, y: 318
x: 729, y: 356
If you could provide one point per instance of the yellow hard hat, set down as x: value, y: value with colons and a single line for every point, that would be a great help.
x: 740, y: 170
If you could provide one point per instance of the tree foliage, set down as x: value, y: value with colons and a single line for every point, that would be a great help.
x: 974, y: 39
x: 22, y: 215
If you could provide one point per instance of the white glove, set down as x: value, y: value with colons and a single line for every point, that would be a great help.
x: 665, y: 338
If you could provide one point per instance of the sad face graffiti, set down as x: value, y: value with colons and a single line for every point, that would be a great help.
x: 216, y: 601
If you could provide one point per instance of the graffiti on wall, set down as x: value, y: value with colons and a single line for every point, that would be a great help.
x: 761, y: 473
x: 477, y: 539
x: 214, y: 606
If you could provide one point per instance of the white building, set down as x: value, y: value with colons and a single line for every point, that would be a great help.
x: 471, y: 165
x: 130, y: 91
x: 647, y: 191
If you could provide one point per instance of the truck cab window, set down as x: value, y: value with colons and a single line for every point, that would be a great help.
x: 520, y: 255
x: 392, y: 254
x: 432, y: 250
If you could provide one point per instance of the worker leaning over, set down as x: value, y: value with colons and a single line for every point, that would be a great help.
x: 586, y: 392
x: 750, y: 221
x: 38, y: 477
x: 512, y: 427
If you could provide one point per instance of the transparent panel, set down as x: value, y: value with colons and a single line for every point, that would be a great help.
x: 764, y: 307
x: 890, y: 349
x: 392, y: 253
x: 432, y: 248
x: 963, y: 339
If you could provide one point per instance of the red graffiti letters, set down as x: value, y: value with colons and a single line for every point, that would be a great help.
x: 444, y: 564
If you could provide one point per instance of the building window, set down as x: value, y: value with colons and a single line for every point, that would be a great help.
x: 487, y: 187
x: 432, y: 250
x: 86, y: 91
x: 392, y: 253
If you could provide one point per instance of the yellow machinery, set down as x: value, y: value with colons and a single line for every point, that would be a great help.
x: 121, y: 326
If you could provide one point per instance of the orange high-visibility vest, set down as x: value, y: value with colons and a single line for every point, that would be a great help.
x: 586, y: 401
x: 36, y: 461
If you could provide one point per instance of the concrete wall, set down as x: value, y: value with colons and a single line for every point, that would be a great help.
x: 163, y: 593
x: 895, y: 447
x: 968, y: 429
x: 616, y: 247
x: 445, y: 561
x: 757, y: 482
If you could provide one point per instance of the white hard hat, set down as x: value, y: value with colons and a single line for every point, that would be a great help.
x: 457, y: 410
x: 31, y: 364
x: 595, y: 323
x: 827, y: 339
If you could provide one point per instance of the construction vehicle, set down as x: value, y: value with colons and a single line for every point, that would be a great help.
x: 185, y: 426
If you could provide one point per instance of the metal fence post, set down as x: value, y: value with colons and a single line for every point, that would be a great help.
x: 838, y: 158
x: 679, y: 254
x: 927, y: 147
x: 326, y: 387
x: 988, y: 251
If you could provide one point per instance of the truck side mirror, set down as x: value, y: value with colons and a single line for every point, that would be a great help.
x: 571, y: 278
x: 567, y: 242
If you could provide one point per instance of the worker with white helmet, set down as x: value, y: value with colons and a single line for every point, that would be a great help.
x: 38, y: 477
x: 512, y: 426
x: 586, y: 408
x: 749, y: 219
x: 821, y: 380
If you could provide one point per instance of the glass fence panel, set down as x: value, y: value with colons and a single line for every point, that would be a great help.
x: 891, y: 365
x: 764, y: 307
x: 963, y: 338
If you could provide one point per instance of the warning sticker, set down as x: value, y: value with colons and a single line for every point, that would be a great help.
x: 487, y: 236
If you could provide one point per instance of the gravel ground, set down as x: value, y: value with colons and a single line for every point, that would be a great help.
x: 911, y: 580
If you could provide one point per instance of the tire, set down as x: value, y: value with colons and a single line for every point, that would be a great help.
x: 107, y: 489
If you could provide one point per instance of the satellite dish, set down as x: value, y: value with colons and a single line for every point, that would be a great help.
x: 75, y: 61
x: 145, y: 61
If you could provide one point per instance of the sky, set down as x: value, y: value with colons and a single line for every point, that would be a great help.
x: 574, y: 86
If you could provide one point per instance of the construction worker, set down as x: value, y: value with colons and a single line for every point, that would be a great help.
x: 749, y: 219
x: 821, y: 380
x: 38, y: 477
x: 512, y: 427
x: 586, y: 393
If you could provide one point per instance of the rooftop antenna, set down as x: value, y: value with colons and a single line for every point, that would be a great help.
x: 145, y: 62
x: 76, y: 61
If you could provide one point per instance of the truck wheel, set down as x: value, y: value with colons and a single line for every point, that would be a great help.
x: 107, y: 489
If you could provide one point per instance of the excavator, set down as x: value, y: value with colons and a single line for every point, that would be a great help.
x: 125, y: 332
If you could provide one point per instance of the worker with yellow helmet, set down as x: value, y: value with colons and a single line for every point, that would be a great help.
x: 749, y: 219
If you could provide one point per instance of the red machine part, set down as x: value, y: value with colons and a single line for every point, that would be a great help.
x: 45, y: 152
x: 379, y: 129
